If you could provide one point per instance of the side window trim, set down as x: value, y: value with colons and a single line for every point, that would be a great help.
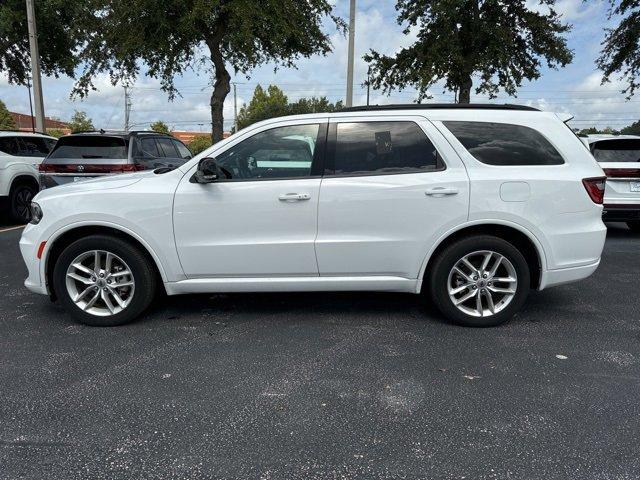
x: 317, y: 163
x: 332, y: 138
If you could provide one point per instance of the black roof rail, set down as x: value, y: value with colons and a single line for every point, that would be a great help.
x: 122, y: 132
x: 441, y: 106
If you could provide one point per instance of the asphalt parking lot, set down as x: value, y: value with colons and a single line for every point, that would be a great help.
x: 325, y: 385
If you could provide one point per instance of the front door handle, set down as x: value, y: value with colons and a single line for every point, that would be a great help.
x: 441, y: 191
x: 294, y: 197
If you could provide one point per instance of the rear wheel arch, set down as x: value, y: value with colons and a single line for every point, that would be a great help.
x: 68, y: 237
x: 532, y: 253
x: 25, y: 179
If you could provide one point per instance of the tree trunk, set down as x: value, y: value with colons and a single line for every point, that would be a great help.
x: 465, y: 91
x: 221, y: 89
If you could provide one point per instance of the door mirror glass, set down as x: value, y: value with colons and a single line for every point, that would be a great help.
x: 207, y: 171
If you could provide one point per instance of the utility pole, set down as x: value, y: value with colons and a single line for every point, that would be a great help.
x: 127, y: 108
x: 235, y: 108
x: 368, y: 83
x: 352, y: 28
x: 35, y: 66
x: 33, y: 122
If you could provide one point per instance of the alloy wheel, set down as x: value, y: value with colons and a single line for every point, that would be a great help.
x: 100, y: 283
x: 482, y: 283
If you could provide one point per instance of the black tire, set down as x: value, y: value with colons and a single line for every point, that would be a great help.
x: 447, y: 259
x: 20, y: 197
x: 634, y: 225
x: 141, y: 268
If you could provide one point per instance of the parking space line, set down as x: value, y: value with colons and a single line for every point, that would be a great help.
x: 11, y: 228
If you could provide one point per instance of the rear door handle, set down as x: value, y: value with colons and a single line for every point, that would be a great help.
x: 441, y: 191
x: 294, y: 197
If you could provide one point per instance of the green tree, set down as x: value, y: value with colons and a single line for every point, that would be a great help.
x: 633, y: 129
x: 6, y: 120
x: 160, y: 127
x: 236, y: 33
x: 621, y: 46
x: 56, y: 132
x: 500, y: 42
x: 80, y: 122
x: 589, y: 131
x: 263, y: 105
x: 60, y: 23
x: 199, y: 144
x: 274, y: 103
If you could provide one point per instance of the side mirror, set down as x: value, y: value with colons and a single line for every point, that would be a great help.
x: 207, y: 171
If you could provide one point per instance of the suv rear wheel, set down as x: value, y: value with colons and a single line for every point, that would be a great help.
x: 104, y: 281
x: 480, y: 281
x: 20, y: 198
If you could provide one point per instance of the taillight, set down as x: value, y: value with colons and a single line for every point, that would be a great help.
x: 595, y: 188
x: 90, y: 168
x: 622, y: 172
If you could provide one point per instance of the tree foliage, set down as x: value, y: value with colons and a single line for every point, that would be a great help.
x: 160, y: 127
x: 501, y: 42
x: 633, y: 129
x: 274, y: 103
x: 56, y: 132
x: 80, y: 122
x: 621, y: 47
x: 6, y: 120
x: 199, y: 144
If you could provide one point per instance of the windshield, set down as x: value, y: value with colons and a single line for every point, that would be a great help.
x: 90, y: 146
x: 623, y: 150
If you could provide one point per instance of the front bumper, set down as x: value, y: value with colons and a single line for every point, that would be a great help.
x: 29, y: 243
x: 621, y: 213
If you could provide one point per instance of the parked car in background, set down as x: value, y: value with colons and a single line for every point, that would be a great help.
x: 86, y: 155
x: 619, y: 156
x: 20, y: 154
x: 472, y: 205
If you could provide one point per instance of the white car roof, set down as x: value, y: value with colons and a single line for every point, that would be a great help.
x: 11, y: 133
x: 606, y: 136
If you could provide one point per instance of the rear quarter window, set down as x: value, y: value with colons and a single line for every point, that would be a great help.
x: 504, y: 144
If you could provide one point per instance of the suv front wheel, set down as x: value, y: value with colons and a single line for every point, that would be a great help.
x: 104, y: 281
x: 479, y: 281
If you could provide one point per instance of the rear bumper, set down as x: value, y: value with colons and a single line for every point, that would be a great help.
x: 551, y: 278
x: 621, y: 212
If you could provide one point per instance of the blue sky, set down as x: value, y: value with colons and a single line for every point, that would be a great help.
x: 575, y: 89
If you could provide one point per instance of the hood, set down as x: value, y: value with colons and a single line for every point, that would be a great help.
x: 108, y: 182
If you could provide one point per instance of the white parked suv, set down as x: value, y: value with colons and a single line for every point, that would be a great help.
x: 471, y: 205
x: 20, y: 155
x: 619, y: 156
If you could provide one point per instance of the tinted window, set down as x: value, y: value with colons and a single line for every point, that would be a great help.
x: 32, y: 147
x: 90, y: 146
x: 383, y: 147
x: 505, y: 144
x: 623, y: 150
x: 8, y: 145
x: 148, y: 147
x: 166, y: 148
x: 182, y: 150
x: 50, y: 143
x: 282, y: 152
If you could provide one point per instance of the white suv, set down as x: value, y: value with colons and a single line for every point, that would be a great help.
x: 472, y: 205
x: 20, y: 155
x: 619, y: 156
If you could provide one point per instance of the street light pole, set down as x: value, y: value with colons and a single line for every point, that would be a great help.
x: 235, y: 108
x: 352, y: 28
x: 35, y: 66
x: 33, y: 123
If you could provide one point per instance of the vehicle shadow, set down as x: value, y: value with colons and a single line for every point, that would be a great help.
x: 620, y: 230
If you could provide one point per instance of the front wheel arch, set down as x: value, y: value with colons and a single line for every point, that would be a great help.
x: 70, y: 236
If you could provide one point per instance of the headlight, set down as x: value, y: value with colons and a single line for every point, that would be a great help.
x: 36, y: 213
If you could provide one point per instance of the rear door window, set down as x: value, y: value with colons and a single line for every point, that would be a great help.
x: 166, y: 148
x: 91, y: 146
x: 504, y: 144
x: 149, y: 148
x: 366, y: 148
x: 32, y: 147
x: 622, y: 150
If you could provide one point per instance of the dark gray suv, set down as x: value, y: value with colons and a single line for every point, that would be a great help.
x: 84, y: 155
